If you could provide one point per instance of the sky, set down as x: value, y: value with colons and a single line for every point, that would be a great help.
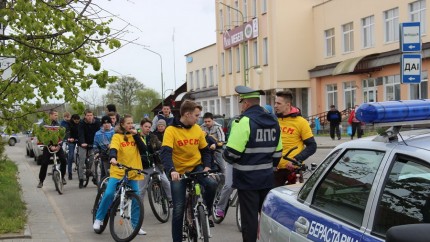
x: 154, y: 23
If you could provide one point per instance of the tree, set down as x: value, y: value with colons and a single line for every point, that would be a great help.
x: 124, y: 93
x: 54, y: 43
x: 147, y: 99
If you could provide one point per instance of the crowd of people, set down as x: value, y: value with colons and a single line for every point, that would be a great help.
x: 252, y: 160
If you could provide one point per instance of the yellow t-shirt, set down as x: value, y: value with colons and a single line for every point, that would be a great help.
x: 127, y: 154
x: 293, y: 131
x: 186, y: 145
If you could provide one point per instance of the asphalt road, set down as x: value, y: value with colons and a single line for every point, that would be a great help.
x: 73, y: 208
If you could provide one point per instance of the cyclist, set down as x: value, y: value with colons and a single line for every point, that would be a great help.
x: 71, y: 138
x: 165, y: 115
x: 102, y: 141
x: 123, y: 150
x: 53, y: 117
x: 161, y: 127
x: 184, y: 149
x: 295, y: 131
x: 254, y: 148
x: 147, y: 145
x: 87, y: 129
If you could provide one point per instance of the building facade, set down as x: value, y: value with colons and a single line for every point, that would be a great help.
x: 324, y: 55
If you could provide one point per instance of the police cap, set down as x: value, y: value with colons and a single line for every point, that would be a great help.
x: 247, y: 92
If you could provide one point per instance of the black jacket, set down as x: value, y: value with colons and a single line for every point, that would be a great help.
x: 86, y: 131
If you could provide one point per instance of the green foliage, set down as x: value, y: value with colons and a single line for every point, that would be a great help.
x: 146, y: 100
x: 124, y: 93
x: 13, y: 213
x: 49, y: 135
x: 56, y: 44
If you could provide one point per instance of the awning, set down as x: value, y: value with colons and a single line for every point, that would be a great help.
x: 347, y: 66
x: 180, y: 96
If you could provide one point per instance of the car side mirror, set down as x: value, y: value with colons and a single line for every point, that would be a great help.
x: 408, y: 232
x: 313, y: 166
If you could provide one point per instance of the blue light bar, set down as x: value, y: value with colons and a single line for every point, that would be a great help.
x: 394, y: 111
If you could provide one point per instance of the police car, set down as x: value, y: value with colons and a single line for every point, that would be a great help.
x: 363, y: 187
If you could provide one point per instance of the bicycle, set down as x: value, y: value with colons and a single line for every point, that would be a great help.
x: 196, y: 221
x: 56, y: 173
x: 233, y: 201
x: 300, y: 169
x: 157, y: 195
x: 120, y: 210
x: 87, y: 166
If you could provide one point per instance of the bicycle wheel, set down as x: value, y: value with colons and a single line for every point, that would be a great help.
x: 56, y: 176
x: 96, y: 175
x: 121, y: 225
x: 158, y: 201
x: 238, y: 218
x: 190, y: 233
x: 204, y: 226
x: 103, y: 183
x: 97, y: 202
x: 87, y: 173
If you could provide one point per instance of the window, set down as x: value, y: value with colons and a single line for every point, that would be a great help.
x: 197, y: 79
x: 417, y: 13
x: 211, y: 76
x: 349, y: 88
x: 331, y: 95
x: 230, y: 61
x: 229, y: 18
x: 205, y: 79
x: 212, y: 106
x: 265, y: 52
x: 391, y: 24
x: 190, y: 80
x: 221, y: 22
x: 264, y: 6
x: 392, y: 87
x: 406, y: 197
x: 344, y: 192
x: 245, y: 10
x: 348, y: 37
x: 369, y: 90
x: 222, y: 65
x: 238, y: 56
x: 368, y: 32
x: 329, y: 42
x: 254, y: 8
x: 419, y: 91
x: 236, y: 13
x: 255, y: 44
x: 246, y: 55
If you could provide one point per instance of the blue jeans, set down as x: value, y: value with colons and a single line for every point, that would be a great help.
x: 178, y: 196
x: 108, y: 196
x: 70, y: 157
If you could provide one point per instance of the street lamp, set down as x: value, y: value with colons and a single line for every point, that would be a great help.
x: 164, y: 94
x: 162, y: 83
x: 243, y: 44
x: 257, y: 69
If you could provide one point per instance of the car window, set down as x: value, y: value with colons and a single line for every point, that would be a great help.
x: 344, y: 191
x: 406, y: 195
x: 310, y: 183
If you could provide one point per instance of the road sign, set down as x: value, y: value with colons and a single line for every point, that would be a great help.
x: 411, y: 68
x: 410, y: 37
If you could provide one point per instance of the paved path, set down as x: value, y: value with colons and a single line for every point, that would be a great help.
x: 42, y: 216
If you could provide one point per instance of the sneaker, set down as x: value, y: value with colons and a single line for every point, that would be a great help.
x: 40, y: 185
x: 338, y: 138
x: 94, y: 181
x: 81, y: 183
x: 142, y: 232
x: 70, y: 176
x: 219, y: 213
x: 64, y: 181
x: 97, y: 224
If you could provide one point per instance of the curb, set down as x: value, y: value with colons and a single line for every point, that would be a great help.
x: 26, y: 234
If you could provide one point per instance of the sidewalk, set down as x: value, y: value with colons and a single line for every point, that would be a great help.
x: 325, y: 142
x: 42, y: 224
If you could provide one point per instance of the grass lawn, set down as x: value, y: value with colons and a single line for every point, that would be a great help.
x: 12, y: 208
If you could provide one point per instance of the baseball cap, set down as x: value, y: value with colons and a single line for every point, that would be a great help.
x: 106, y: 119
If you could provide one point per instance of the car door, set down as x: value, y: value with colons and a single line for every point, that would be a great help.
x: 405, y: 194
x: 336, y: 207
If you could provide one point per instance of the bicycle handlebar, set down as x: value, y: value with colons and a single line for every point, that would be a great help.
x: 128, y: 168
x: 188, y: 175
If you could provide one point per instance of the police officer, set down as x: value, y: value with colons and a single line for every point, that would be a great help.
x: 254, y: 148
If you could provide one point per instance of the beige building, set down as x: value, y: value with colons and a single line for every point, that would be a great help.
x: 340, y: 52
